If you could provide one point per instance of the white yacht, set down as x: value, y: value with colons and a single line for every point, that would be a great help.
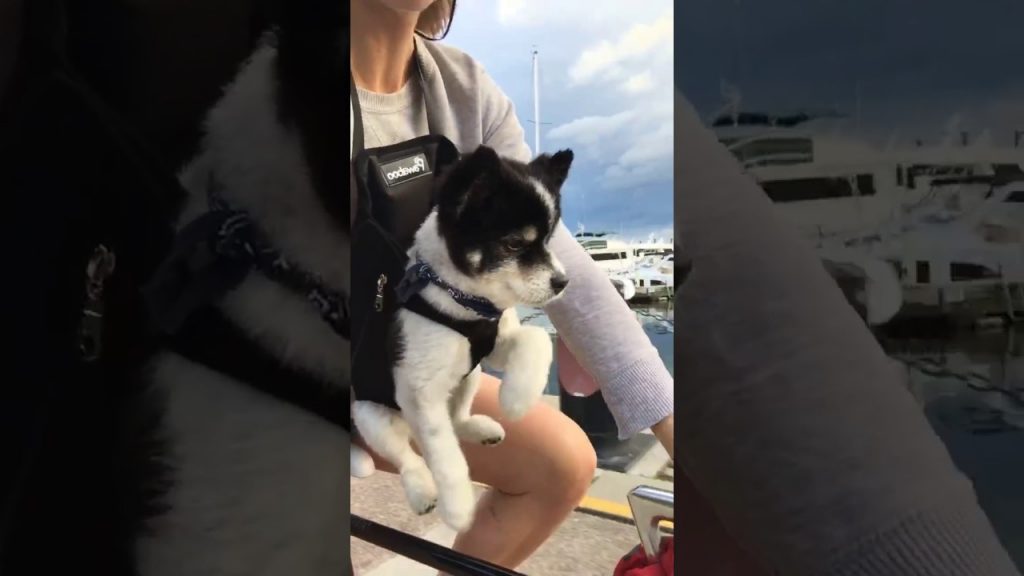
x: 612, y: 255
x: 877, y: 214
x: 652, y: 252
x: 615, y: 257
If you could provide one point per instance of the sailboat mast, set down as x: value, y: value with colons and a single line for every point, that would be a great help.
x: 536, y: 103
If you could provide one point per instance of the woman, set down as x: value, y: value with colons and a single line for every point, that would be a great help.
x: 545, y: 465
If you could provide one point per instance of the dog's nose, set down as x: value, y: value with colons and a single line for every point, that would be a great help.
x: 558, y: 283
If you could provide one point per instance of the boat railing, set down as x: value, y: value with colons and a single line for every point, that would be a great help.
x: 428, y: 553
x: 650, y: 507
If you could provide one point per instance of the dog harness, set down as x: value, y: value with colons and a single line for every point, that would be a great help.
x: 394, y: 186
x: 482, y: 333
x: 211, y: 256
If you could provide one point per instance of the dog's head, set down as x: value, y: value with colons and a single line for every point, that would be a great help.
x: 496, y: 218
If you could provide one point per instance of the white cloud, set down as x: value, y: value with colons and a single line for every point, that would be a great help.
x: 610, y: 60
x: 639, y: 83
x: 631, y: 139
x: 591, y: 130
x: 598, y: 17
x: 606, y: 84
x: 634, y: 145
x: 512, y: 11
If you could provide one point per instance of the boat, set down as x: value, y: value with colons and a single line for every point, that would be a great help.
x: 914, y: 230
x: 610, y: 254
x: 654, y: 278
x: 638, y: 270
x: 652, y: 252
x: 968, y: 264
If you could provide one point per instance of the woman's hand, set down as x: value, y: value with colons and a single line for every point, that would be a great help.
x: 664, y: 432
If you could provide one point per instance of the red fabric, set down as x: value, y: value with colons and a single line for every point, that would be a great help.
x: 635, y: 563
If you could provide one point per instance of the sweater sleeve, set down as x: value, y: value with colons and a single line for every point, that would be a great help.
x: 794, y: 423
x: 591, y: 318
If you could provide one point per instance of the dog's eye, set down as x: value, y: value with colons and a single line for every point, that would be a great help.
x: 515, y: 244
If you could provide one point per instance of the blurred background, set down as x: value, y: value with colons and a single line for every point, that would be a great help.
x: 891, y: 134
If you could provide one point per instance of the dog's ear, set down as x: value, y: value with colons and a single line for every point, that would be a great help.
x: 470, y: 178
x: 482, y: 160
x: 553, y: 168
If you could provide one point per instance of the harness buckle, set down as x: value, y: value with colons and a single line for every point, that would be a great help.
x: 90, y: 330
x: 378, y: 300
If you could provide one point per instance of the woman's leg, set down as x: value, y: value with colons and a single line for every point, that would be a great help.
x: 537, y: 477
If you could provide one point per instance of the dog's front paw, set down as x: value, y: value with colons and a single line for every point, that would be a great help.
x: 420, y: 490
x: 480, y: 429
x: 515, y: 400
x: 458, y: 506
x: 360, y: 462
x: 527, y: 372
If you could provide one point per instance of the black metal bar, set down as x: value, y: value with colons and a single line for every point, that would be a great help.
x: 423, y: 551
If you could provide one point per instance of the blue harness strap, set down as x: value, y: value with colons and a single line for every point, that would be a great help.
x: 482, y: 333
x: 421, y: 274
x: 211, y: 256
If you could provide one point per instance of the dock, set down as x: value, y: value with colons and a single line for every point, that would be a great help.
x: 590, y: 543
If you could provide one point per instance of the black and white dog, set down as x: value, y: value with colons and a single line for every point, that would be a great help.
x: 249, y: 484
x: 487, y: 241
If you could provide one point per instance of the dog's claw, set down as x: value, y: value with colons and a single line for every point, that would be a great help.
x: 481, y: 429
x: 420, y: 490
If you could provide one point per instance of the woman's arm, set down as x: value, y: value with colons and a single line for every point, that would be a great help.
x: 793, y: 422
x: 591, y: 317
x: 604, y: 335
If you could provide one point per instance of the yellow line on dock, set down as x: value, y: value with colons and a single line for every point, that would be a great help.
x: 603, y: 507
x: 600, y: 506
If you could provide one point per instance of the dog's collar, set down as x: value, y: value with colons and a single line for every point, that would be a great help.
x: 420, y: 274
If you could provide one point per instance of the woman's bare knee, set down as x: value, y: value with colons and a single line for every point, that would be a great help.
x: 565, y: 465
x: 575, y: 472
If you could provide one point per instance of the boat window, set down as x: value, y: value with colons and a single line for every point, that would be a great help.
x: 1016, y: 196
x: 937, y: 170
x: 963, y: 271
x: 924, y: 272
x: 1002, y: 173
x: 607, y: 256
x: 866, y: 184
x: 1007, y: 170
x: 780, y: 150
x: 901, y: 271
x: 803, y: 189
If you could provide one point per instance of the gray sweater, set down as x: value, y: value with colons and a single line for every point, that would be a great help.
x: 591, y: 318
x: 792, y: 420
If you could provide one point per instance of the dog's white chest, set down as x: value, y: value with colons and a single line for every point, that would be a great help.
x: 431, y: 349
x: 259, y: 486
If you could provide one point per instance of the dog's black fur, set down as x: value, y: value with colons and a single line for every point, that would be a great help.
x: 311, y: 40
x: 486, y: 199
x: 313, y: 55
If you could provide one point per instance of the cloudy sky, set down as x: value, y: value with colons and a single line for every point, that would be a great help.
x: 918, y: 63
x: 606, y: 92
